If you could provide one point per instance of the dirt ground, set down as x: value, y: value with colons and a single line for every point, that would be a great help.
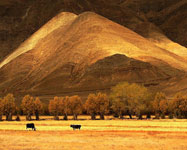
x: 95, y: 135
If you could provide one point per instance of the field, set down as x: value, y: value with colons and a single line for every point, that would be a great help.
x: 95, y: 135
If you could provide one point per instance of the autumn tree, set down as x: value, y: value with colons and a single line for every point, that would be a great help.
x: 179, y: 106
x: 76, y: 106
x: 139, y: 99
x: 156, y: 103
x: 91, y: 106
x: 131, y: 98
x: 9, y: 106
x: 164, y: 107
x: 38, y: 108
x: 46, y: 109
x: 65, y: 106
x: 1, y: 109
x: 17, y: 113
x: 184, y: 107
x: 118, y: 107
x: 55, y: 107
x: 103, y: 104
x: 119, y: 100
x: 27, y: 106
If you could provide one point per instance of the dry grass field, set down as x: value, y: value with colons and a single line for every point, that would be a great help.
x: 95, y: 135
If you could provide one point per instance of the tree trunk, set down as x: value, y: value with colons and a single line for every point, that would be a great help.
x: 10, y: 117
x: 28, y: 117
x: 170, y: 116
x: 140, y: 117
x: 157, y: 116
x: 102, y: 117
x: 130, y: 116
x: 17, y: 118
x: 65, y: 117
x: 93, y: 116
x: 1, y: 117
x: 7, y: 117
x: 179, y: 115
x: 75, y: 117
x: 148, y: 116
x: 163, y: 116
x: 56, y: 117
x: 185, y: 115
x: 37, y: 115
x: 121, y: 116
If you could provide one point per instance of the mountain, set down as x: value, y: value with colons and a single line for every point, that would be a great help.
x: 19, y: 19
x: 85, y: 53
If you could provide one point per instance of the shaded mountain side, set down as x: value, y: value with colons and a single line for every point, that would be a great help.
x: 102, y: 74
x: 72, y: 52
x: 174, y: 85
x: 21, y: 18
x: 168, y: 15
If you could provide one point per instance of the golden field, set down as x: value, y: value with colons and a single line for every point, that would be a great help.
x: 97, y: 134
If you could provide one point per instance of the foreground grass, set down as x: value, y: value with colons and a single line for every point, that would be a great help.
x: 98, y: 134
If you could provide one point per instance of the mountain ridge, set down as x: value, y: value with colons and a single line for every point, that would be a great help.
x: 20, y: 19
x: 64, y: 59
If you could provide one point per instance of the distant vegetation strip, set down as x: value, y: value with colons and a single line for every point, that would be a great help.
x: 124, y: 99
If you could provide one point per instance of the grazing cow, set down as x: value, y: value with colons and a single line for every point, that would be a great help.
x: 30, y: 125
x: 75, y: 126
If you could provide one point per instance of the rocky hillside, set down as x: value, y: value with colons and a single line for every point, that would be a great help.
x: 87, y: 52
x: 153, y: 19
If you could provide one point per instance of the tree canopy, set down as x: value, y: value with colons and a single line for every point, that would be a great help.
x: 8, y: 104
x: 130, y: 99
x: 27, y: 106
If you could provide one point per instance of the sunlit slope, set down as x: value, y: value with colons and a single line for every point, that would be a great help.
x: 61, y: 52
x: 19, y: 19
x: 60, y: 21
x: 156, y: 36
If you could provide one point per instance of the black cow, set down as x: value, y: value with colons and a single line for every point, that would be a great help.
x: 75, y: 126
x: 30, y: 125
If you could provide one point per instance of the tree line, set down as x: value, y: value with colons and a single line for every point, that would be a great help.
x: 124, y: 99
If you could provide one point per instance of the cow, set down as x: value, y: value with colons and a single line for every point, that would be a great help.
x: 75, y: 126
x: 30, y: 125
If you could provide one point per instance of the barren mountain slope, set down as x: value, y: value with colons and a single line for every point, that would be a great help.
x: 168, y: 15
x: 157, y: 37
x: 21, y: 18
x: 60, y: 21
x: 75, y: 51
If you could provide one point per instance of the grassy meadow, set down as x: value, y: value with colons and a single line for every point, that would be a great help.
x: 97, y: 134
